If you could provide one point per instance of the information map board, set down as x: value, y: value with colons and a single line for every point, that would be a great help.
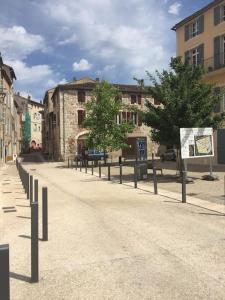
x: 196, y: 142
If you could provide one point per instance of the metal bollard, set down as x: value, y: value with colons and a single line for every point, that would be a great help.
x: 120, y: 173
x: 80, y: 165
x: 68, y: 162
x: 4, y: 272
x: 44, y: 213
x: 155, y: 181
x: 109, y: 173
x: 76, y: 163
x: 35, y: 190
x: 100, y: 170
x: 31, y: 189
x: 184, y: 174
x: 28, y: 185
x: 135, y: 176
x: 92, y: 167
x: 86, y: 166
x: 34, y: 242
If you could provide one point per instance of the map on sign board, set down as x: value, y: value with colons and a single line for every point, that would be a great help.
x: 196, y: 142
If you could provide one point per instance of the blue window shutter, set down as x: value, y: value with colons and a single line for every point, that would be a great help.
x: 217, y: 18
x: 201, y: 54
x: 217, y: 52
x: 186, y: 33
x: 201, y: 24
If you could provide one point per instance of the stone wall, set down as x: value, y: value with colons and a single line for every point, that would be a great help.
x: 67, y: 131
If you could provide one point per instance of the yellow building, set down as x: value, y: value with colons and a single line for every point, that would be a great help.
x: 200, y: 40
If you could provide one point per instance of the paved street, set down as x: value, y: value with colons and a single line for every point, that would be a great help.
x: 110, y: 241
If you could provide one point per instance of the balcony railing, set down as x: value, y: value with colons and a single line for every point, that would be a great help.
x: 215, y: 63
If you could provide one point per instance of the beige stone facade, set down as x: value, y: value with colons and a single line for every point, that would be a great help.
x: 48, y: 124
x: 35, y: 110
x: 8, y: 115
x: 68, y: 135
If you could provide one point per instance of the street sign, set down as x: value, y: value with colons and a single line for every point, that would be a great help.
x: 196, y: 142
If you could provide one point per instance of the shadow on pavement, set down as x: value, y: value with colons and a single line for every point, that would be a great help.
x: 24, y: 236
x: 19, y: 277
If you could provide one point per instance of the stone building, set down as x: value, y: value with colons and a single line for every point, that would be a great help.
x: 21, y: 107
x: 65, y: 115
x: 48, y: 124
x: 35, y: 110
x: 7, y: 113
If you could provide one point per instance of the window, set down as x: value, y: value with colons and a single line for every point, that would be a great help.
x: 35, y: 127
x: 39, y: 128
x: 195, y: 56
x: 35, y: 116
x: 133, y: 99
x: 136, y: 99
x: 134, y: 117
x: 219, y: 14
x: 81, y: 96
x: 219, y: 52
x: 81, y: 116
x: 156, y: 102
x: 118, y: 118
x: 195, y: 28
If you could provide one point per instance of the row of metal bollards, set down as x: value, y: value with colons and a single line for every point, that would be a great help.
x: 31, y: 189
x: 79, y: 164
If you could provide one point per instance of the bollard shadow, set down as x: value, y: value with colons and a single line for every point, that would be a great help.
x: 19, y: 277
x: 24, y: 236
x: 22, y: 217
x: 210, y: 214
x: 22, y: 205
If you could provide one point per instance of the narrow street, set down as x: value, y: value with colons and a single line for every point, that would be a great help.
x: 110, y: 241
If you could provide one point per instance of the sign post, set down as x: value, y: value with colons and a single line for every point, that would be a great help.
x: 195, y: 143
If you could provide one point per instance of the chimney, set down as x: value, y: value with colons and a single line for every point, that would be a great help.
x: 97, y: 79
x: 18, y: 93
x: 74, y: 79
x: 28, y: 97
x: 41, y: 101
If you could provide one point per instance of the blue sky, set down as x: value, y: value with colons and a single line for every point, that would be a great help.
x: 52, y: 41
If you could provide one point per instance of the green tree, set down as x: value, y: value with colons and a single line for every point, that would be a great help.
x: 101, y: 114
x: 26, y: 132
x: 186, y: 102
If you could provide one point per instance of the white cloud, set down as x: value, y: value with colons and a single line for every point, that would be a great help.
x: 17, y: 43
x: 33, y: 79
x: 174, y: 8
x: 29, y: 75
x: 63, y: 81
x: 111, y: 35
x: 71, y: 40
x: 82, y: 65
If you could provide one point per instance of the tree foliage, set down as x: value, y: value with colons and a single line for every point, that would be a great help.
x: 26, y: 132
x: 101, y: 114
x: 186, y: 102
